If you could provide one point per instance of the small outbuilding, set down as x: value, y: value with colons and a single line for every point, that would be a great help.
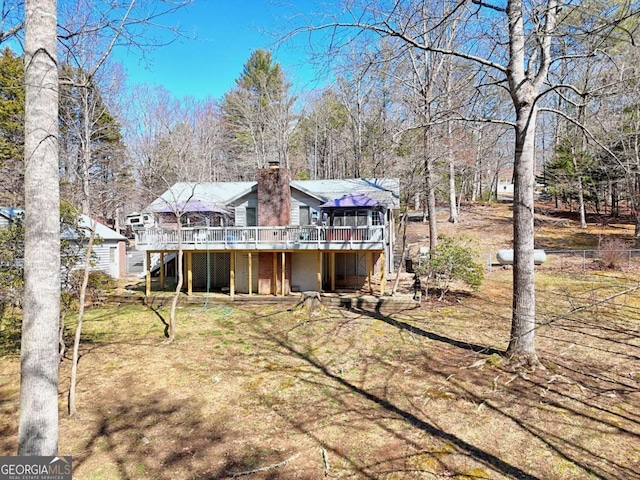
x: 109, y: 250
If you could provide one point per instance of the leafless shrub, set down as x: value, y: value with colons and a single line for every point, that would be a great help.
x: 612, y: 252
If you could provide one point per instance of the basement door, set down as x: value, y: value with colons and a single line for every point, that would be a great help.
x: 242, y: 272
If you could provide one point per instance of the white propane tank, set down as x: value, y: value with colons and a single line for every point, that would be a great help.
x: 505, y: 257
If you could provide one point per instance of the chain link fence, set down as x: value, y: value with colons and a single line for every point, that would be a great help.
x: 584, y: 259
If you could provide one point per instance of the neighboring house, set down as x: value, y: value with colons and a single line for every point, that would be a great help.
x: 9, y: 215
x: 109, y: 252
x: 275, y: 236
x: 109, y: 249
x: 505, y: 188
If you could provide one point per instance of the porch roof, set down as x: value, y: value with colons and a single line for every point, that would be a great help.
x: 351, y: 200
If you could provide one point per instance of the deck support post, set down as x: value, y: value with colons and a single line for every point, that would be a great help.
x: 319, y: 271
x: 250, y: 273
x: 147, y: 264
x: 274, y: 274
x: 189, y: 272
x: 332, y: 270
x: 162, y: 272
x: 232, y: 279
x: 282, y: 275
x: 369, y: 270
x: 383, y: 277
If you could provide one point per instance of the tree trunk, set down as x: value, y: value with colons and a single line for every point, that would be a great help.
x: 581, y: 207
x: 176, y: 296
x: 431, y: 203
x: 453, y: 207
x: 73, y: 410
x: 579, y: 144
x: 429, y: 186
x: 524, y: 88
x: 38, y: 424
x: 523, y: 323
x: 403, y: 222
x: 85, y: 142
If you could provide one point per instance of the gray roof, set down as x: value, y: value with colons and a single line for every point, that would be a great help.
x: 385, y: 191
x: 11, y: 212
x: 215, y: 194
x: 102, y: 231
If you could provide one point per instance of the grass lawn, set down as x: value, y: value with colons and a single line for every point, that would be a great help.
x: 389, y: 394
x: 419, y: 393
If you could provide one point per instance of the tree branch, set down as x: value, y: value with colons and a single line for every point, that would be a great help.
x: 267, y: 468
x: 395, y: 33
x: 484, y: 4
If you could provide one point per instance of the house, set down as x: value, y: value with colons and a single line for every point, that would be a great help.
x: 9, y: 215
x: 505, y: 188
x: 274, y: 236
x: 109, y: 249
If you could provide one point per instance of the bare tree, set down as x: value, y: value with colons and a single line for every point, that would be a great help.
x: 512, y: 46
x: 324, y: 136
x: 38, y: 426
x: 73, y: 409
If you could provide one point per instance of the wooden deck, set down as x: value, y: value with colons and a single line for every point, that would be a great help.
x: 263, y: 238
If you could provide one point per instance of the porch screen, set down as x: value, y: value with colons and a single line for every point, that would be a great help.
x: 219, y: 271
x: 350, y: 218
x: 351, y: 270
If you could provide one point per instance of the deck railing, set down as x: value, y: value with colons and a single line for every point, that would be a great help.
x: 261, y: 238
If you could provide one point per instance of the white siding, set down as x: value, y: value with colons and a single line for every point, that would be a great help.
x: 240, y: 208
x: 303, y: 271
x: 299, y: 199
x: 295, y: 210
x: 101, y: 258
x: 241, y: 216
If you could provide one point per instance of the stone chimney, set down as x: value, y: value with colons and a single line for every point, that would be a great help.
x: 274, y: 196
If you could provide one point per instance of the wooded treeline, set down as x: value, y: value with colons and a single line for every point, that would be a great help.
x: 440, y: 123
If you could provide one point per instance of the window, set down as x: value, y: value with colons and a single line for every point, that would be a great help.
x: 305, y: 217
x: 350, y: 218
x: 377, y: 218
x: 112, y: 254
x: 252, y: 218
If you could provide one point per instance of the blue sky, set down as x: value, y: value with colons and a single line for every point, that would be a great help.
x: 226, y: 32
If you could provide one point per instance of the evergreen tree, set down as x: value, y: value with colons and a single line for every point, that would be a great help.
x: 11, y: 128
x: 92, y: 151
x: 258, y: 113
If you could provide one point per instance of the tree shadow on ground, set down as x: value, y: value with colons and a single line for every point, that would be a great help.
x: 558, y: 402
x: 358, y: 306
x: 162, y: 438
x: 412, y: 420
x: 9, y: 401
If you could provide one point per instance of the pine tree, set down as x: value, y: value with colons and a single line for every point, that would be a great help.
x: 11, y: 128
